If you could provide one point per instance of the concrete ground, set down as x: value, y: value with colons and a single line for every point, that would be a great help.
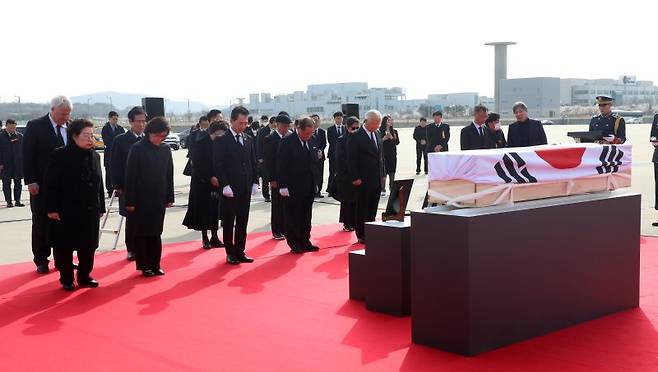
x: 15, y: 223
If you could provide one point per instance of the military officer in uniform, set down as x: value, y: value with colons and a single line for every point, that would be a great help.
x: 612, y: 125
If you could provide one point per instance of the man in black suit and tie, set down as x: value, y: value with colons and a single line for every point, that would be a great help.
x: 260, y: 153
x: 365, y: 168
x: 438, y: 134
x: 110, y: 130
x: 333, y: 132
x: 270, y: 148
x: 234, y: 163
x: 295, y: 162
x: 42, y: 136
x: 525, y: 131
x: 11, y: 163
x: 119, y: 162
x: 476, y: 136
x: 320, y: 138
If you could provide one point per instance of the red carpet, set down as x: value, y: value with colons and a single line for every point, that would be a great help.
x: 283, y: 312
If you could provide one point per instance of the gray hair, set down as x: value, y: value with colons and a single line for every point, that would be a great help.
x: 519, y: 105
x: 61, y: 101
x: 372, y: 113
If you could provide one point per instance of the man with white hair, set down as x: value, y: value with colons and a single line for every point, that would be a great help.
x: 365, y: 169
x: 42, y: 136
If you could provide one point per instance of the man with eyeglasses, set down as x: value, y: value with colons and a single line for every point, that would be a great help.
x: 612, y: 125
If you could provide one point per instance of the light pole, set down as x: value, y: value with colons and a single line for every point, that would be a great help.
x: 111, y: 105
x: 20, y: 111
x: 88, y: 108
x: 500, y: 67
x: 189, y: 113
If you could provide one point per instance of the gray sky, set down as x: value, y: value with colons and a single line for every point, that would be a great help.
x: 215, y: 51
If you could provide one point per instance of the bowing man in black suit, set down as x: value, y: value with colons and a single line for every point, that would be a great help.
x: 234, y: 164
x: 110, y: 131
x: 365, y: 167
x: 475, y: 136
x: 333, y: 132
x: 525, y: 131
x: 42, y: 136
x: 270, y: 149
x: 119, y: 162
x: 295, y: 161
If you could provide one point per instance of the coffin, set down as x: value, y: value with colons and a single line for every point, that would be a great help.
x: 503, y: 176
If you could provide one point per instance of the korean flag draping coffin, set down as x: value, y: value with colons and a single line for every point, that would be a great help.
x: 499, y: 176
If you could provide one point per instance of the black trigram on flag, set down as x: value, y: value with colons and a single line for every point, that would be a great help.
x: 610, y: 159
x: 513, y: 170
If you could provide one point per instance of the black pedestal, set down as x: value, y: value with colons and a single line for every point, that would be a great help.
x: 387, y: 257
x: 483, y: 278
x: 358, y: 274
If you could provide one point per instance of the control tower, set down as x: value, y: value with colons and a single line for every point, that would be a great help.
x: 500, y: 69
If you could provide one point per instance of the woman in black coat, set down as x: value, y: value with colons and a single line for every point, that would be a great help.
x: 390, y: 141
x: 203, y: 204
x: 75, y: 201
x: 346, y: 191
x: 149, y: 190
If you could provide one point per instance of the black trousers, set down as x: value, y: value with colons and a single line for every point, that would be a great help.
x: 6, y: 188
x: 332, y: 173
x: 265, y: 182
x: 348, y: 213
x: 367, y: 200
x: 108, y: 179
x: 655, y: 178
x: 40, y: 246
x: 148, y: 252
x: 235, y: 216
x: 64, y: 264
x: 421, y: 153
x: 318, y: 176
x: 277, y: 213
x: 129, y: 233
x: 299, y: 212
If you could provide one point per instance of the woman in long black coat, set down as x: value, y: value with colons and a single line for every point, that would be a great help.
x: 203, y: 204
x: 149, y: 190
x: 390, y: 141
x: 346, y: 191
x: 75, y: 201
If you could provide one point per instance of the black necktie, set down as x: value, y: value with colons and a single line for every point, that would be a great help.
x: 374, y: 140
x: 340, y: 132
x: 305, y: 145
x: 237, y: 139
x: 481, y: 132
x: 60, y: 138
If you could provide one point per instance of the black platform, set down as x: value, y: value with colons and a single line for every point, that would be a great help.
x: 483, y: 278
x: 357, y: 269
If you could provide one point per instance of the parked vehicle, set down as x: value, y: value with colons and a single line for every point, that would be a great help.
x: 173, y: 141
x: 182, y: 136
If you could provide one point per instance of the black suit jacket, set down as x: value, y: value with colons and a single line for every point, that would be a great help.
x: 260, y: 137
x: 120, y: 149
x: 40, y: 141
x: 11, y: 154
x: 364, y: 162
x: 295, y: 165
x: 321, y: 139
x: 438, y: 135
x: 234, y: 164
x: 654, y: 133
x: 332, y: 136
x: 537, y: 136
x: 470, y: 138
x: 270, y: 148
x: 109, y: 135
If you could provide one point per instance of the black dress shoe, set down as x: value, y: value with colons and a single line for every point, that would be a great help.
x: 268, y: 200
x: 68, y: 287
x: 89, y: 283
x: 10, y: 205
x: 655, y: 224
x: 148, y: 273
x: 130, y: 256
x: 296, y: 250
x: 216, y: 243
x: 278, y: 237
x: 159, y: 272
x: 245, y: 259
x: 232, y: 260
x: 312, y: 248
x: 19, y: 204
x: 206, y: 245
x: 43, y: 269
